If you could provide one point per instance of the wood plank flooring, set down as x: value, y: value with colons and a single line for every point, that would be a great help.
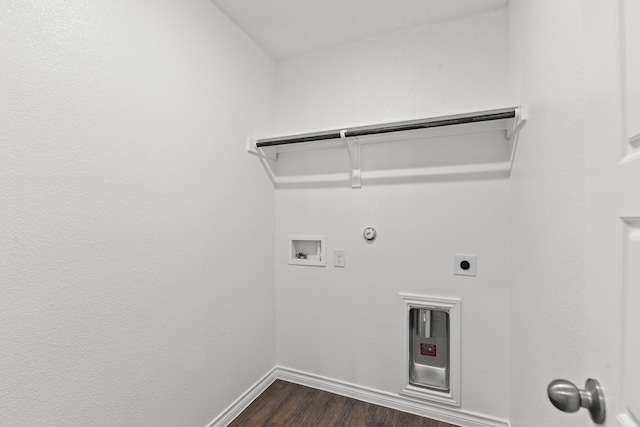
x: 284, y: 404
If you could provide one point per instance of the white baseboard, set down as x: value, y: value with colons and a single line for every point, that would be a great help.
x: 241, y: 403
x: 449, y: 415
x: 401, y: 403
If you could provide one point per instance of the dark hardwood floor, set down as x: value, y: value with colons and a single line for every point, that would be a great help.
x: 285, y: 404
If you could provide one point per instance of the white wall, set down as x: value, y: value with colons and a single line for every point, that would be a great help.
x: 137, y: 235
x: 428, y: 70
x: 547, y: 205
x: 345, y: 324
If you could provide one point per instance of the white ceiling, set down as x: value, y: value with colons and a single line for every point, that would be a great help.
x: 286, y: 28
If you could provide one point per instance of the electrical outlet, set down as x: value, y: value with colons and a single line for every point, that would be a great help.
x: 338, y: 257
x: 465, y: 265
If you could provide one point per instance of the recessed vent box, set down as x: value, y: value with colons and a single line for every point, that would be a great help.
x: 432, y: 348
x: 429, y: 363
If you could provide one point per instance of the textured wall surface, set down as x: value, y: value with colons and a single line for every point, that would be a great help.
x: 346, y: 323
x: 424, y: 71
x: 547, y: 207
x: 133, y: 267
x: 129, y: 212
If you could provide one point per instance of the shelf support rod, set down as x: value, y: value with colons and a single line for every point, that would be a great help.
x: 354, y: 155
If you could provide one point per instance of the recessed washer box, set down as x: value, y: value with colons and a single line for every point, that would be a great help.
x: 307, y: 250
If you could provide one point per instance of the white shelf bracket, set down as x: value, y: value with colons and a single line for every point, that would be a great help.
x: 518, y: 121
x: 513, y: 132
x: 253, y: 149
x: 354, y: 154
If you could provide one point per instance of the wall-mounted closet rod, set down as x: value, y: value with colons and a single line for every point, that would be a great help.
x: 386, y: 128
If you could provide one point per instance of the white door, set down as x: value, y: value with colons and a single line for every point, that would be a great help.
x: 612, y: 123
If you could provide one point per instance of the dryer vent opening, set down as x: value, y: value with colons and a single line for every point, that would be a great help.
x: 429, y: 348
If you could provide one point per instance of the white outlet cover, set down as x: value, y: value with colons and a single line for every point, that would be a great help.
x: 473, y: 265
